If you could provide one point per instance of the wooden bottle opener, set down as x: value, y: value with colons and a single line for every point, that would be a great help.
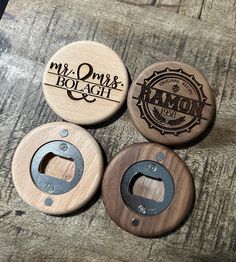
x: 85, y: 82
x: 171, y: 103
x: 57, y: 168
x: 147, y: 189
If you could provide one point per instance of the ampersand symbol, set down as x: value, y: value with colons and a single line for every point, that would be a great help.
x: 84, y: 96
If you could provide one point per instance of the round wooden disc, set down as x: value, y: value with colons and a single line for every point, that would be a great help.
x: 85, y: 82
x: 59, y: 167
x: 128, y: 219
x: 171, y: 103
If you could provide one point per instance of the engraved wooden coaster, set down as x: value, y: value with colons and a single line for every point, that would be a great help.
x: 147, y: 189
x: 85, y: 82
x: 171, y: 103
x: 57, y: 168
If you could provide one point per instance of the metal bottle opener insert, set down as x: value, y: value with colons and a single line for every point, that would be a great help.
x: 142, y: 205
x: 57, y: 168
x: 147, y: 189
x: 53, y: 185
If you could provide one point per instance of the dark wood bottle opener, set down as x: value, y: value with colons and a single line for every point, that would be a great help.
x: 147, y: 189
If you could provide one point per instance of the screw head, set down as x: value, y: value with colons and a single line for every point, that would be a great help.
x: 142, y: 209
x: 63, y: 147
x: 160, y: 156
x: 51, y: 188
x: 64, y: 133
x: 152, y: 167
x: 48, y: 201
x: 135, y: 222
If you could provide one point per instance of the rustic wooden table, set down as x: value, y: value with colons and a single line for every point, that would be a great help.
x: 198, y: 32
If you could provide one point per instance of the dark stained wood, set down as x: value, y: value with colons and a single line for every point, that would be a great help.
x: 30, y: 33
x: 154, y: 225
x: 171, y: 103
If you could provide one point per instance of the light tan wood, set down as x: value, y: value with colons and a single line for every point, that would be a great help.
x: 171, y: 103
x: 85, y: 82
x: 149, y: 225
x: 61, y: 168
x: 58, y: 167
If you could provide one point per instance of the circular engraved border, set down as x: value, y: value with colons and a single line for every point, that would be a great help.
x: 155, y: 78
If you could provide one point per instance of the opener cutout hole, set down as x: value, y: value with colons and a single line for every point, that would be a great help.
x: 58, y: 167
x: 147, y: 187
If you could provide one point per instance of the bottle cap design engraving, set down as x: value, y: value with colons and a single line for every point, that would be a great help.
x: 57, y: 173
x: 171, y: 103
x: 85, y: 82
x: 147, y: 189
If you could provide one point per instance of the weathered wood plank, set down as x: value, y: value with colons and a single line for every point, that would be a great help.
x: 218, y: 12
x: 30, y: 33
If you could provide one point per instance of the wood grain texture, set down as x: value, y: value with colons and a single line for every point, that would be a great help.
x: 120, y: 212
x: 59, y: 167
x: 82, y: 192
x: 85, y: 82
x: 31, y: 32
x: 217, y: 12
x: 171, y: 103
x: 149, y: 188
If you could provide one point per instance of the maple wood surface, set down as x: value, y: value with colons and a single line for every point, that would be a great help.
x: 82, y: 192
x: 103, y: 76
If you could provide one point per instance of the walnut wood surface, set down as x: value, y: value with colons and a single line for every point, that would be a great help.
x: 149, y: 226
x: 188, y: 94
x: 85, y: 82
x: 31, y: 32
x: 78, y: 196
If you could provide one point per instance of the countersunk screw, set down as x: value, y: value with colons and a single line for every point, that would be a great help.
x: 160, y: 156
x: 63, y: 147
x: 64, y: 133
x: 152, y: 167
x: 48, y: 201
x: 142, y: 209
x: 135, y: 222
x: 51, y: 188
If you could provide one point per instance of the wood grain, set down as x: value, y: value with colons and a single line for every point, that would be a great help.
x: 149, y: 188
x: 31, y: 32
x: 171, y: 103
x: 205, y: 10
x: 85, y: 82
x: 59, y: 167
x: 82, y: 192
x: 122, y: 215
